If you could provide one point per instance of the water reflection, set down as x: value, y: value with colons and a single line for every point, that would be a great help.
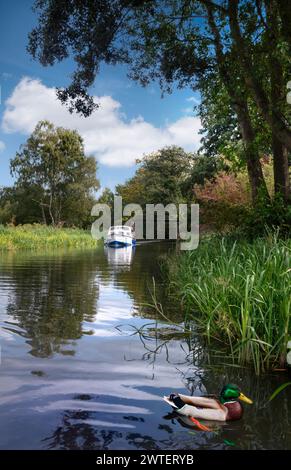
x: 47, y: 301
x: 120, y: 258
x: 85, y: 364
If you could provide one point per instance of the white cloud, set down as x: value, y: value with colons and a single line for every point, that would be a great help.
x: 193, y: 99
x: 107, y: 133
x: 187, y: 110
x: 2, y: 146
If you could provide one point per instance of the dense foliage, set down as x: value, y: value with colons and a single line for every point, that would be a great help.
x: 162, y: 177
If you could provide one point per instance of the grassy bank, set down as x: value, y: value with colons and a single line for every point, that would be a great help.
x: 25, y: 237
x: 240, y: 294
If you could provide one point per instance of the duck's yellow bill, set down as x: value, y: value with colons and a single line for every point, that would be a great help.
x: 242, y: 397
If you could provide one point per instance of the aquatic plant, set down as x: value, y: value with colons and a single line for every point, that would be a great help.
x: 35, y: 236
x: 279, y: 390
x: 238, y: 293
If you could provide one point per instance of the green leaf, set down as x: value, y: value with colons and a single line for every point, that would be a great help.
x: 279, y: 390
x: 229, y: 443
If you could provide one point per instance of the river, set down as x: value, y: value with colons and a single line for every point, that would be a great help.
x: 85, y: 363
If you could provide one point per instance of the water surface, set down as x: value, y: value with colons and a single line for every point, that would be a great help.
x: 84, y: 363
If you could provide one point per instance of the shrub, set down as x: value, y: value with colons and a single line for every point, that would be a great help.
x: 225, y: 201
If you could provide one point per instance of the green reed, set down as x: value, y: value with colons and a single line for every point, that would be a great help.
x: 238, y: 293
x: 36, y: 236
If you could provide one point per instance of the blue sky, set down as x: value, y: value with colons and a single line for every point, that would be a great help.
x: 130, y: 122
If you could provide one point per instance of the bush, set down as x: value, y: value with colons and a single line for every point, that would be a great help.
x: 224, y: 202
x: 273, y: 214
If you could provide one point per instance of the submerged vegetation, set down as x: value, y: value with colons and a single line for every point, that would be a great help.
x: 239, y: 293
x: 37, y: 236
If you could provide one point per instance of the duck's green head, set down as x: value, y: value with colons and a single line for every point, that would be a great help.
x: 231, y: 392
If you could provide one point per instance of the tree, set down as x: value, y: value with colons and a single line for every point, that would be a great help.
x: 267, y: 68
x: 221, y: 130
x: 55, y: 176
x: 183, y: 43
x: 106, y: 197
x: 162, y: 177
x: 18, y: 205
x: 265, y: 64
x: 6, y: 206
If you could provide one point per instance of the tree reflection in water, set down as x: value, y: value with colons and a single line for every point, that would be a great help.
x: 70, y: 435
x: 50, y: 300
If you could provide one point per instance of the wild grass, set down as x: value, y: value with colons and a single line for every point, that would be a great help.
x: 36, y: 236
x: 238, y: 293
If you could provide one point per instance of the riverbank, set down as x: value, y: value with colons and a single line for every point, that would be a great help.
x: 36, y: 236
x: 239, y: 294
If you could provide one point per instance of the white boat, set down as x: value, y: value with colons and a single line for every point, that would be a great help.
x: 120, y: 235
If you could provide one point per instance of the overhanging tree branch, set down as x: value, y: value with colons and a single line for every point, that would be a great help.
x: 272, y: 116
x: 240, y: 106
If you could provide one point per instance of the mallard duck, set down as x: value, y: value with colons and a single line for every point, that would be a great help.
x: 225, y: 408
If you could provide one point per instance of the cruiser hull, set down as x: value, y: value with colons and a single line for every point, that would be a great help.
x: 120, y: 241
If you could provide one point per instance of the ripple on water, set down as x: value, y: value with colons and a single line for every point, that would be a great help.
x: 84, y: 365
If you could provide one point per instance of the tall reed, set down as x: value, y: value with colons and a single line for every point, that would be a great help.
x: 238, y: 293
x: 36, y: 236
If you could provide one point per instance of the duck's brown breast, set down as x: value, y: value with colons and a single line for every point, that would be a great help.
x: 234, y: 410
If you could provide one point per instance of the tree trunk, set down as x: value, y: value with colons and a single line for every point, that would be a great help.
x: 254, y: 167
x: 43, y: 213
x: 240, y: 106
x: 269, y: 111
x: 280, y: 153
x: 50, y: 208
x: 281, y: 169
